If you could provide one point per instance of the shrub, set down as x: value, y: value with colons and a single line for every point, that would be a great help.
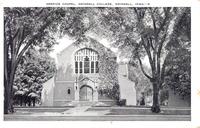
x: 121, y: 102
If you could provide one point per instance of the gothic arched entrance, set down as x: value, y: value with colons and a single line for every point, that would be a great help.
x: 86, y: 93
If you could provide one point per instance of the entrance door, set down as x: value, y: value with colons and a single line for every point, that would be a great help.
x: 86, y: 93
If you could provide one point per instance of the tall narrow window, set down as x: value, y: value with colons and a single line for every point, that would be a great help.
x: 92, y: 67
x: 97, y: 67
x: 86, y: 65
x: 68, y: 91
x: 80, y: 67
x: 76, y: 67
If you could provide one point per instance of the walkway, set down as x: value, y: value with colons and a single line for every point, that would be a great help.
x: 82, y: 113
x: 99, y: 118
x: 81, y: 110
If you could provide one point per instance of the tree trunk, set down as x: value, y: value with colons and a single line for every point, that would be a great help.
x: 29, y: 101
x: 34, y: 102
x: 8, y: 101
x: 21, y: 100
x: 156, y: 107
x: 8, y: 90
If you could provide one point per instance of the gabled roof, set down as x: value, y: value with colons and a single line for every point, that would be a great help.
x: 91, y: 43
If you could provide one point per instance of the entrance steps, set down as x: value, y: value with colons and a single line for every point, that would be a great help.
x: 78, y: 110
x: 85, y: 103
x: 81, y: 103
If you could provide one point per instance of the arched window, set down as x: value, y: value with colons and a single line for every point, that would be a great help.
x: 86, y: 61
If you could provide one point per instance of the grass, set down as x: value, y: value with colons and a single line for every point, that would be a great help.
x: 140, y: 111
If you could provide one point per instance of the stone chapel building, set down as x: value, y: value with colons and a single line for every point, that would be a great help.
x: 85, y: 68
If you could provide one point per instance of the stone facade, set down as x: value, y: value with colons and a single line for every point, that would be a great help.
x: 85, y: 67
x: 79, y: 73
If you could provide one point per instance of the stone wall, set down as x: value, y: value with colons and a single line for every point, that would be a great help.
x: 48, y: 92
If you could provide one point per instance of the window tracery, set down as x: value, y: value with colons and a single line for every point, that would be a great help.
x: 86, y: 61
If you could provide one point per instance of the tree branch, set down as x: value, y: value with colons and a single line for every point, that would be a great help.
x: 163, y: 38
x: 15, y: 35
x: 141, y: 66
x: 147, y: 49
x: 21, y: 40
x: 5, y: 61
x: 165, y: 20
x: 41, y: 30
x: 32, y: 40
x: 154, y: 21
x: 163, y: 70
x: 151, y: 44
x: 161, y: 43
x: 140, y: 15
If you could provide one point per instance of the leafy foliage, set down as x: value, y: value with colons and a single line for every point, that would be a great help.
x: 142, y: 84
x: 23, y: 28
x: 139, y: 32
x: 34, y: 69
x: 29, y: 27
x: 108, y: 78
x: 179, y: 58
x: 144, y: 32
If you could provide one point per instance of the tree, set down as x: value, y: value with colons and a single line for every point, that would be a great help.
x: 142, y: 84
x: 26, y: 27
x: 35, y: 68
x: 142, y: 32
x: 178, y: 71
x: 23, y: 27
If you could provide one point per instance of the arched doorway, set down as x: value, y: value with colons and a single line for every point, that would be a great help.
x: 86, y: 93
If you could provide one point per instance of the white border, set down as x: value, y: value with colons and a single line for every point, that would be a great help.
x: 41, y: 3
x: 195, y: 4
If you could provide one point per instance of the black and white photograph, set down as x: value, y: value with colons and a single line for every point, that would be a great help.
x: 97, y: 63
